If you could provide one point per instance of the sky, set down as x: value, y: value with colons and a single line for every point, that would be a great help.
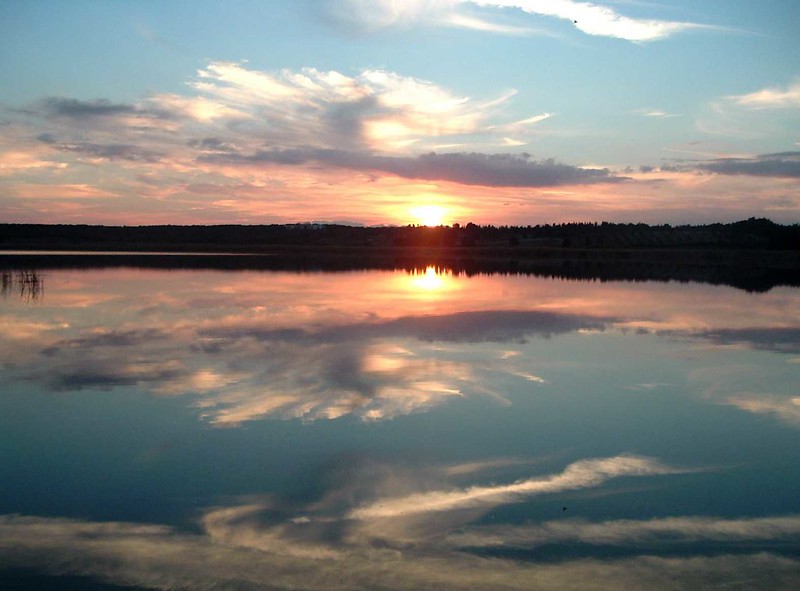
x: 389, y: 112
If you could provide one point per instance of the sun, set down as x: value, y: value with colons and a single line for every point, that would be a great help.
x: 429, y: 215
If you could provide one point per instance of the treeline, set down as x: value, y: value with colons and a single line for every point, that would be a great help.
x: 751, y: 234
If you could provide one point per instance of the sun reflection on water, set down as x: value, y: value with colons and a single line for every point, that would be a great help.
x: 432, y: 279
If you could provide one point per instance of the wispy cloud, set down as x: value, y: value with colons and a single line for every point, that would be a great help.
x: 743, y: 387
x: 236, y: 109
x: 655, y: 113
x: 234, y: 550
x: 253, y: 370
x: 239, y: 128
x: 56, y: 191
x: 598, y: 20
x: 582, y: 474
x: 770, y: 98
x: 376, y: 109
x: 589, y: 18
x: 372, y: 15
x: 786, y: 409
x: 768, y: 112
x: 669, y: 531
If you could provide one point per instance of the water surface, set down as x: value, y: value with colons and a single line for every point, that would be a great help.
x: 395, y: 430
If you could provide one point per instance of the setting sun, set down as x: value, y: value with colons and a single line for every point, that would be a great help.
x: 429, y: 215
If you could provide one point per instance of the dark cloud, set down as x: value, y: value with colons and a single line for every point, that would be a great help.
x: 346, y: 119
x: 115, y: 338
x: 77, y: 109
x: 490, y: 326
x: 466, y: 168
x: 104, y: 380
x: 497, y: 170
x: 782, y: 164
x: 110, y: 151
x: 65, y: 107
x: 104, y: 374
x: 782, y: 340
x: 212, y: 144
x: 46, y: 138
x: 463, y: 327
x: 128, y: 152
x: 104, y: 361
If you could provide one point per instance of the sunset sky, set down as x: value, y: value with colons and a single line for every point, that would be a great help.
x: 399, y: 111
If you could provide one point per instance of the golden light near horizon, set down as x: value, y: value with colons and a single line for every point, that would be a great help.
x: 429, y: 215
x: 432, y: 281
x: 429, y: 280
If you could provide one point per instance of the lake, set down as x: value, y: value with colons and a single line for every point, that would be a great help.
x: 207, y: 429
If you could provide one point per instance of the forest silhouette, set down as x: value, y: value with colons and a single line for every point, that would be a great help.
x: 754, y: 254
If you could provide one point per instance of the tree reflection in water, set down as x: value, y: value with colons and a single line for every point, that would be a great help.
x: 27, y: 285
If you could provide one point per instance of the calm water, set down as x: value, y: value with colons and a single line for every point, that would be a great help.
x: 385, y: 430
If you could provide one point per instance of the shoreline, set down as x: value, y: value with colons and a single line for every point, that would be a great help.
x: 751, y: 270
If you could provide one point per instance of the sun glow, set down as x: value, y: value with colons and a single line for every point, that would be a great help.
x: 429, y: 215
x: 432, y: 280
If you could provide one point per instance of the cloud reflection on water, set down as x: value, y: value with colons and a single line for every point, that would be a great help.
x: 271, y: 545
x: 246, y: 346
x: 374, y: 369
x: 233, y: 555
x: 374, y: 346
x: 587, y: 473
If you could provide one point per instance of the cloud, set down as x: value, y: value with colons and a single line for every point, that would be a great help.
x: 374, y: 15
x: 309, y: 107
x: 375, y: 110
x: 466, y: 168
x: 234, y: 552
x: 114, y: 338
x: 468, y: 327
x: 661, y: 532
x: 106, y: 374
x: 779, y: 339
x: 78, y: 191
x: 784, y: 165
x: 98, y: 108
x: 126, y: 152
x: 752, y: 388
x: 786, y: 409
x: 277, y: 544
x: 465, y: 21
x: 239, y: 373
x: 594, y: 19
x: 780, y: 165
x: 770, y: 98
x: 66, y: 107
x: 243, y: 124
x: 23, y: 160
x: 308, y: 381
x: 327, y: 382
x: 591, y: 19
x: 470, y: 468
x: 655, y: 113
x: 763, y: 114
x: 582, y: 474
